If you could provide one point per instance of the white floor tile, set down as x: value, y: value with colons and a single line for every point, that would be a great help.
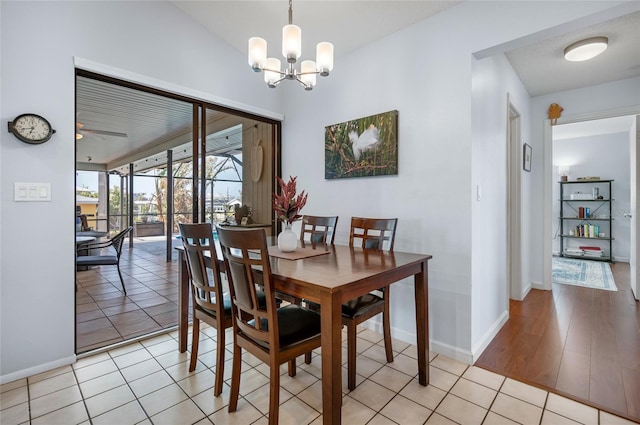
x: 101, y: 384
x: 15, y: 415
x: 524, y: 392
x: 162, y: 399
x: 461, y: 411
x: 73, y: 414
x: 405, y: 412
x: 572, y: 409
x: 517, y: 410
x: 136, y: 384
x: 185, y: 412
x: 109, y: 400
x: 54, y: 401
x: 130, y: 413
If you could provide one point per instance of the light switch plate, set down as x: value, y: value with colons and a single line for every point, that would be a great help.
x: 32, y: 192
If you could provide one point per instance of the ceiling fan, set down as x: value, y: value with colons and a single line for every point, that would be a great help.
x: 80, y: 132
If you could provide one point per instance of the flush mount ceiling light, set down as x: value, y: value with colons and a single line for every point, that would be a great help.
x: 586, y: 49
x: 291, y: 50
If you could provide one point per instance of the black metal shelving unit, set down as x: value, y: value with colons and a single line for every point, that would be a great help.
x: 600, y: 215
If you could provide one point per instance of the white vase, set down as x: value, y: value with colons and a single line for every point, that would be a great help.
x: 287, y: 239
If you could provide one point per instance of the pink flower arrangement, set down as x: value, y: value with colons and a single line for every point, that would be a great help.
x: 287, y: 205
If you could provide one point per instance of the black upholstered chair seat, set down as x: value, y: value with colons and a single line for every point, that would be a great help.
x: 226, y: 304
x: 97, y: 260
x: 296, y: 324
x: 359, y: 306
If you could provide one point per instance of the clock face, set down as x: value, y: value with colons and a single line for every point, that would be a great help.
x: 31, y: 128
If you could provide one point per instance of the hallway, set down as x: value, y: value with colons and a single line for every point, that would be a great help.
x: 578, y: 342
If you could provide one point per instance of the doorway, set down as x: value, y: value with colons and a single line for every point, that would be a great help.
x: 161, y: 158
x: 589, y: 129
x: 514, y: 203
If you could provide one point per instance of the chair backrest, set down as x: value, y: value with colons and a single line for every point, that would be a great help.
x: 373, y: 232
x: 245, y: 251
x: 319, y: 229
x: 200, y: 250
x: 118, y: 240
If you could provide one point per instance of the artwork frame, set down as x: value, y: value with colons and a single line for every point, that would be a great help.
x: 527, y: 152
x: 362, y: 147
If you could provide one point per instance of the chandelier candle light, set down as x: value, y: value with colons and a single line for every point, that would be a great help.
x: 291, y: 50
x: 287, y: 207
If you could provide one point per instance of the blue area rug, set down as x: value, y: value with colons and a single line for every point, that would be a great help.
x: 590, y: 274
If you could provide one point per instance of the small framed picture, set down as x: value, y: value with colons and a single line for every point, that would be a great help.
x: 244, y: 221
x: 526, y: 158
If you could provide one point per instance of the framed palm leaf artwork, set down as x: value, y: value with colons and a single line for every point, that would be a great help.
x: 363, y: 147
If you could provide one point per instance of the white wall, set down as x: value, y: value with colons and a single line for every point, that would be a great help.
x: 493, y: 79
x: 605, y: 156
x: 148, y: 38
x: 588, y: 101
x: 425, y: 72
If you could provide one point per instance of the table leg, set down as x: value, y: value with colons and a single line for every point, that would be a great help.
x: 421, y: 283
x: 183, y: 302
x: 331, y: 359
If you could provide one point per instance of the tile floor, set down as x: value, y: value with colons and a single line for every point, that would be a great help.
x: 148, y: 382
x: 104, y: 316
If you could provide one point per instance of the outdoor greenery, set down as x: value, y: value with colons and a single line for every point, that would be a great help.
x: 155, y: 207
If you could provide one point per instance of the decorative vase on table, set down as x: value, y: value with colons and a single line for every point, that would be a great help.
x: 287, y: 206
x: 287, y: 239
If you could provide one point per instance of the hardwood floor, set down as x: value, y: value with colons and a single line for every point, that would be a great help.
x: 578, y: 342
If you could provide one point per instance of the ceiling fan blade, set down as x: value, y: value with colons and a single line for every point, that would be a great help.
x: 103, y: 132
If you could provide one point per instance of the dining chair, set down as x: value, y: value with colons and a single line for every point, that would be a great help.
x: 273, y: 335
x: 368, y: 233
x: 209, y: 302
x: 107, y: 259
x: 317, y: 229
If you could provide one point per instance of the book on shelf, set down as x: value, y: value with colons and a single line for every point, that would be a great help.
x: 587, y: 231
x: 573, y: 251
x: 590, y: 248
x: 594, y: 254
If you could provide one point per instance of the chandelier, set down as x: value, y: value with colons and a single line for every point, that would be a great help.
x: 291, y: 50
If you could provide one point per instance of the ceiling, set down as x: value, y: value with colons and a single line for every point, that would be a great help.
x: 120, y: 125
x: 543, y: 70
x: 150, y: 120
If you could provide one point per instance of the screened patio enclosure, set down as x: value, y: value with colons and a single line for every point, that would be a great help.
x: 151, y: 160
x: 157, y: 159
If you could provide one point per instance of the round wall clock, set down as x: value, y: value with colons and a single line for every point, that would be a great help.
x: 31, y: 128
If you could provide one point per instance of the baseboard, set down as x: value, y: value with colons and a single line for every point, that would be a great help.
x: 484, y: 342
x: 456, y: 353
x: 376, y: 325
x: 536, y: 285
x: 450, y: 351
x: 24, y: 373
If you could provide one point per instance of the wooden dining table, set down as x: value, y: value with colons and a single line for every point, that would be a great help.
x: 330, y: 279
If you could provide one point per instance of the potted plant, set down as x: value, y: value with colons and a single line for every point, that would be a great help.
x: 287, y: 207
x: 243, y: 211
